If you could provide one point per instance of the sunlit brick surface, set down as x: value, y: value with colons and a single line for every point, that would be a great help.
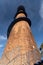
x: 21, y: 48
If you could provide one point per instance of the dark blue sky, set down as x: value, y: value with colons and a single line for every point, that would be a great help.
x: 34, y: 9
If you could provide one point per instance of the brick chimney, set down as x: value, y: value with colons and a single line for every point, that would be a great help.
x: 21, y: 49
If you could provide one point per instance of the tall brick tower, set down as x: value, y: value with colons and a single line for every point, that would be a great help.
x: 21, y: 48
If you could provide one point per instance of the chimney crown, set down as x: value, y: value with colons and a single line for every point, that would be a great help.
x: 21, y: 9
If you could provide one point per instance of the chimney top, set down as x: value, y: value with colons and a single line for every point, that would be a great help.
x: 21, y: 9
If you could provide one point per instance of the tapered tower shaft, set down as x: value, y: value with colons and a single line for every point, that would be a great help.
x: 21, y: 48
